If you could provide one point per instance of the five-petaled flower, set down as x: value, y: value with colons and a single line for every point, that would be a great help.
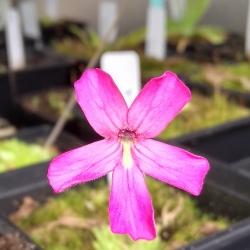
x: 127, y: 151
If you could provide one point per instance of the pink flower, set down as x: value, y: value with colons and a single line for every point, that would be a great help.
x: 127, y: 149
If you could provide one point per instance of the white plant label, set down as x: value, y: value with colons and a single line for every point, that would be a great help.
x: 107, y: 13
x: 124, y: 68
x: 4, y: 6
x: 247, y: 37
x: 30, y: 22
x: 52, y: 9
x: 177, y: 9
x: 156, y: 30
x: 14, y: 41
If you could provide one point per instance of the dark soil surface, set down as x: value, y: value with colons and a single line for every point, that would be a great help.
x: 14, y: 241
x: 230, y: 51
x: 48, y: 103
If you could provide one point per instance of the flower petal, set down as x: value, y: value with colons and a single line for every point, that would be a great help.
x: 157, y: 104
x: 83, y: 164
x: 101, y: 102
x: 172, y: 165
x: 130, y: 206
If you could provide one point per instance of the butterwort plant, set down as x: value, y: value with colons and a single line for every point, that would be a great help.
x: 127, y: 150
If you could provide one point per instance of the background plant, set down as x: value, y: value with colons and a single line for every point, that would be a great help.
x: 185, y: 31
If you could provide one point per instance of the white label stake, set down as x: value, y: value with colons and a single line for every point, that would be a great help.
x: 247, y: 41
x: 52, y: 9
x: 4, y: 6
x: 31, y: 28
x: 124, y: 68
x: 107, y: 13
x: 14, y: 42
x: 177, y: 9
x: 156, y: 30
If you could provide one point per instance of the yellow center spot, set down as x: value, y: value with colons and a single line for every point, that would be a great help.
x: 127, y: 159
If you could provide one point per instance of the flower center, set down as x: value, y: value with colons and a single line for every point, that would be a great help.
x: 127, y: 137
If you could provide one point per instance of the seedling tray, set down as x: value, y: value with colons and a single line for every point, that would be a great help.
x: 243, y: 98
x: 234, y: 237
x: 77, y: 125
x: 12, y: 237
x: 60, y: 30
x: 44, y: 69
x: 226, y: 148
x: 31, y: 180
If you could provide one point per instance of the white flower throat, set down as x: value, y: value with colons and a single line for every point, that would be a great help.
x: 127, y: 138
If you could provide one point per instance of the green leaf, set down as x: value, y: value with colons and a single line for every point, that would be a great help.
x: 194, y: 12
x: 214, y: 35
x: 133, y: 39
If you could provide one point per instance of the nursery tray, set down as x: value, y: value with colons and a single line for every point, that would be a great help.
x: 243, y: 98
x: 12, y: 237
x: 60, y: 30
x: 235, y: 237
x: 6, y: 104
x: 227, y: 149
x: 44, y: 69
x: 77, y: 125
x: 31, y: 180
x: 231, y: 51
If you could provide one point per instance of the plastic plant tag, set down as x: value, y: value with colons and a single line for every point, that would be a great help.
x: 156, y: 27
x: 107, y: 12
x: 31, y: 28
x: 124, y: 68
x: 247, y: 41
x: 177, y: 9
x: 157, y: 3
x: 52, y: 9
x: 4, y: 6
x: 14, y: 42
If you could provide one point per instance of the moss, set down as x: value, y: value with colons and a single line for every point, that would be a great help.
x: 240, y: 70
x: 203, y: 112
x: 15, y: 153
x: 74, y: 202
x: 233, y: 80
x: 49, y: 104
x: 151, y: 67
x: 189, y: 221
x: 86, y: 204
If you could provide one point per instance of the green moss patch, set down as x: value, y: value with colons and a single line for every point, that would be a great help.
x: 15, y: 153
x: 203, y: 112
x: 78, y: 219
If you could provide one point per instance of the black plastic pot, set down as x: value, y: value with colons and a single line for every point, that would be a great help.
x: 235, y: 237
x: 45, y: 69
x: 12, y: 237
x: 227, y: 149
x: 231, y: 51
x: 243, y: 98
x: 31, y: 180
x: 6, y: 103
x: 59, y: 30
x: 77, y: 124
